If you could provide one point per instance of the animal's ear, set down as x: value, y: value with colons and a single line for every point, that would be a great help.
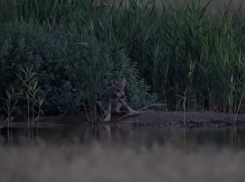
x: 113, y: 82
x: 124, y: 82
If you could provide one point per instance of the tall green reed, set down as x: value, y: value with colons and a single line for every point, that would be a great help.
x: 29, y: 92
x: 29, y: 79
x: 12, y: 98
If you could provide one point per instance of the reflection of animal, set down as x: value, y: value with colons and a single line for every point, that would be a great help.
x: 113, y: 100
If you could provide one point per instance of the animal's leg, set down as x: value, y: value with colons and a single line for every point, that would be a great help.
x: 127, y: 107
x: 101, y: 108
x: 108, y: 113
x: 117, y: 109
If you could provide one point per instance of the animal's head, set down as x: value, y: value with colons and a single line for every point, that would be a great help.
x: 118, y: 88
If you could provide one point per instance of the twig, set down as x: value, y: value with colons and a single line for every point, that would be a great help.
x: 137, y: 111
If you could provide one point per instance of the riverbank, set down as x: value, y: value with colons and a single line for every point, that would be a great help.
x: 144, y: 119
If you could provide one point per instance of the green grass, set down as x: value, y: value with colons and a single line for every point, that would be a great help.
x: 190, y: 57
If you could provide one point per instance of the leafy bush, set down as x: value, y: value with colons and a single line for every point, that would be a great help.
x: 75, y: 68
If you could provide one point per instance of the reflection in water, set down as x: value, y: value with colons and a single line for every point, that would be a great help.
x: 230, y: 137
x: 234, y: 135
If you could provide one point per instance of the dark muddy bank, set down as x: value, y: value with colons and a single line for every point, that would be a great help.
x: 180, y: 119
x: 144, y: 119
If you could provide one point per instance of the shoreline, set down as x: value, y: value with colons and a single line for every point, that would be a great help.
x: 145, y: 119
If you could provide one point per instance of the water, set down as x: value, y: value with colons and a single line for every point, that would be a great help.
x: 221, y: 137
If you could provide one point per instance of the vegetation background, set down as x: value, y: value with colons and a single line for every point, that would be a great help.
x: 58, y: 56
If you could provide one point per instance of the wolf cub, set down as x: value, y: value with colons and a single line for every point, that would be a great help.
x: 113, y: 100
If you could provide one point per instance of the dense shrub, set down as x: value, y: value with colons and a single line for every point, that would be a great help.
x: 74, y: 68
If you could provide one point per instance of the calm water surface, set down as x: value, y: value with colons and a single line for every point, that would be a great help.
x: 225, y: 137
